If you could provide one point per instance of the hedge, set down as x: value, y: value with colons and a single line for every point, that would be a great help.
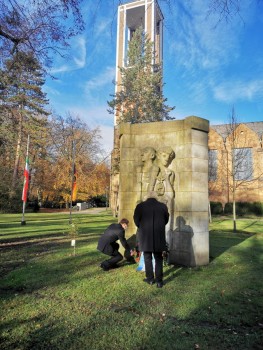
x: 245, y: 208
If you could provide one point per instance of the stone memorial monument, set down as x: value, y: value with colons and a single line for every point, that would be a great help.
x: 169, y: 160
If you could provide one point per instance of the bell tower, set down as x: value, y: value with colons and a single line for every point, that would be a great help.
x: 132, y: 15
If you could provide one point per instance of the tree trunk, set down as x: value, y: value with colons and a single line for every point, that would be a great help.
x: 17, y: 157
x: 234, y: 211
x: 209, y: 211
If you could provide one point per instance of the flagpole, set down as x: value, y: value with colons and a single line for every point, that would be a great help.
x: 72, y: 180
x: 23, y: 222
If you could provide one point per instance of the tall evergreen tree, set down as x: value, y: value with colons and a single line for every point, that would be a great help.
x: 22, y: 106
x: 140, y: 98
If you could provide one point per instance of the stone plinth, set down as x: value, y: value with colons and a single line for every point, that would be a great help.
x: 187, y: 232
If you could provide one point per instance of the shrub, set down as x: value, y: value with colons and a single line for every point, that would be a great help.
x: 34, y: 206
x: 100, y: 201
x: 228, y: 208
x: 244, y: 208
x: 13, y: 205
x: 257, y: 208
x: 216, y: 208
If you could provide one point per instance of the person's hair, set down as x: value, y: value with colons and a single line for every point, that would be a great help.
x: 167, y: 150
x: 150, y: 149
x: 124, y: 221
x: 150, y: 194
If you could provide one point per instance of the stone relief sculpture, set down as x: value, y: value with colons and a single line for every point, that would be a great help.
x: 155, y: 177
x: 165, y: 179
x: 165, y: 183
x: 148, y: 172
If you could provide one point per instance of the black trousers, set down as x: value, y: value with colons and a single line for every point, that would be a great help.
x: 115, y: 256
x: 158, y: 256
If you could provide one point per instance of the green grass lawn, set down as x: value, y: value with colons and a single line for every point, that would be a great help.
x: 51, y: 299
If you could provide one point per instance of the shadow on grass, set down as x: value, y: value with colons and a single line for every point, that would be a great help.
x: 131, y: 319
x: 38, y: 235
x: 172, y: 272
x: 39, y: 226
x: 213, y: 307
x: 49, y: 273
x: 219, y: 242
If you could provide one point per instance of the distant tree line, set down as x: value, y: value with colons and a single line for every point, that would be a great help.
x: 32, y: 32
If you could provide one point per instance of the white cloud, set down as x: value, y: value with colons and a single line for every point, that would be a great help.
x: 61, y: 69
x: 103, y: 78
x: 232, y: 91
x: 77, y: 57
x: 203, y: 50
x: 199, y: 41
x: 97, y: 116
x: 79, y: 47
x: 102, y: 27
x: 51, y: 91
x: 98, y: 88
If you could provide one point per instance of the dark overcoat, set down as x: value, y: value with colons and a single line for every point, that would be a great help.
x: 151, y: 217
x: 112, y: 234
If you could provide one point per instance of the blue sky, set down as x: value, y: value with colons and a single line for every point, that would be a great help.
x: 209, y: 66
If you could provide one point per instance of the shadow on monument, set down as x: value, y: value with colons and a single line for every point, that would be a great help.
x: 182, y: 252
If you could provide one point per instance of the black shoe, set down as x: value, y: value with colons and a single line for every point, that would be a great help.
x: 104, y: 268
x: 159, y: 285
x: 149, y: 282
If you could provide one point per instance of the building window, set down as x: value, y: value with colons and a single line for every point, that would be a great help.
x: 242, y: 164
x: 212, y: 165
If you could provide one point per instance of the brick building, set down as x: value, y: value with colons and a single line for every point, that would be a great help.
x: 236, y: 162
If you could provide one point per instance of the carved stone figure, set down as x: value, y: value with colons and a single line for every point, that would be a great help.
x: 165, y: 178
x: 147, y: 172
x: 164, y: 186
x: 155, y: 178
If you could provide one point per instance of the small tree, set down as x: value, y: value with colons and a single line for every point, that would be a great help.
x: 212, y: 175
x: 140, y: 97
x: 239, y: 169
x: 92, y: 175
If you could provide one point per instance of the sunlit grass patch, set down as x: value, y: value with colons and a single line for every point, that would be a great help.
x: 51, y: 299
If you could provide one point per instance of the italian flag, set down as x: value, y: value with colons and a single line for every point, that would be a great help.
x: 26, y: 181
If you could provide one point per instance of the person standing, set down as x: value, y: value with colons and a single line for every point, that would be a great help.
x: 151, y: 217
x: 108, y: 244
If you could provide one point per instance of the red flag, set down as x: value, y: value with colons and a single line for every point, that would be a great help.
x: 74, y: 185
x: 26, y: 181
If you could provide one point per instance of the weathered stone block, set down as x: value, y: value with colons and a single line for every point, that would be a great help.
x: 200, y: 201
x: 188, y: 228
x: 199, y: 138
x: 199, y: 182
x: 127, y: 153
x: 185, y: 180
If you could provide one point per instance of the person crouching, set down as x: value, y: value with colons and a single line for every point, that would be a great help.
x: 108, y: 244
